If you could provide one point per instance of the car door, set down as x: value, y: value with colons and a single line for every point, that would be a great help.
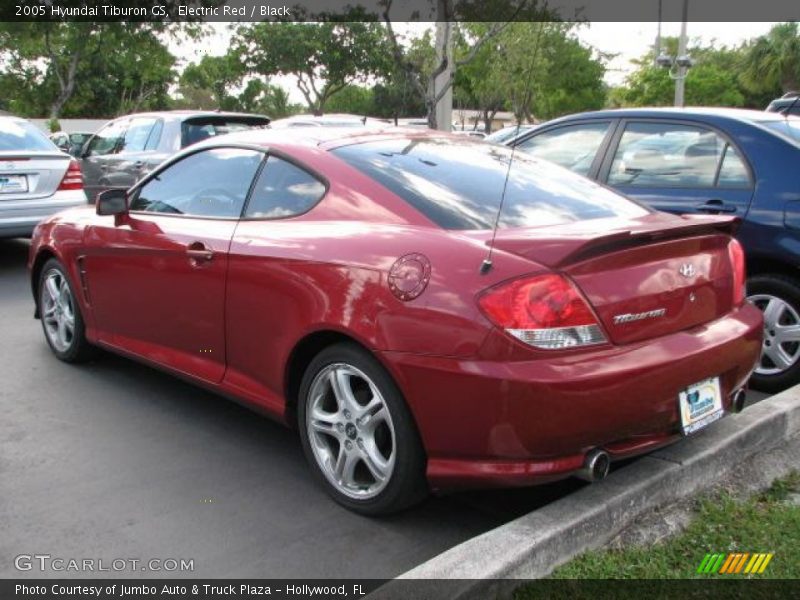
x: 264, y: 281
x: 97, y: 156
x: 135, y: 157
x: 577, y: 146
x: 678, y: 167
x: 157, y: 275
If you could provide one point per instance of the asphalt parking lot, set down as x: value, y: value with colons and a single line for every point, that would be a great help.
x: 116, y: 460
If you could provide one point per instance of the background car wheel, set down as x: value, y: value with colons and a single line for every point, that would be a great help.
x: 61, y: 316
x: 358, y: 434
x: 778, y: 297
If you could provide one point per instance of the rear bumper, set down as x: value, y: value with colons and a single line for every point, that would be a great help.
x: 19, y: 217
x: 487, y: 423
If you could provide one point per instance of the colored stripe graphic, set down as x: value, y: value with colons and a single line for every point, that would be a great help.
x: 766, y: 562
x: 717, y: 563
x: 735, y: 563
x: 752, y: 562
x: 705, y: 561
x: 740, y: 564
x: 731, y: 558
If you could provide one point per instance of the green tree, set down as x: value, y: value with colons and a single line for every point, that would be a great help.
x: 218, y: 75
x: 262, y: 97
x: 712, y: 81
x: 572, y: 76
x: 398, y: 94
x: 353, y: 99
x: 323, y: 57
x: 772, y: 62
x: 531, y: 68
x: 86, y: 69
x: 499, y: 14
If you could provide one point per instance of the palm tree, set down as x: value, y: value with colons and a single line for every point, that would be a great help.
x: 773, y: 60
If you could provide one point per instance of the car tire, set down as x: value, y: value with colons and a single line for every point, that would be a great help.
x: 60, y: 313
x: 357, y: 433
x: 778, y: 297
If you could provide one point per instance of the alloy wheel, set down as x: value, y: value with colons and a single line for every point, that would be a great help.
x: 350, y: 431
x: 781, y: 345
x: 58, y: 310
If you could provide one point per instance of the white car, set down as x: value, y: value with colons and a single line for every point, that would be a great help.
x: 36, y: 178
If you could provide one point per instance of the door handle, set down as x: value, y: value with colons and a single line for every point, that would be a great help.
x: 199, y: 252
x: 138, y: 164
x: 716, y: 206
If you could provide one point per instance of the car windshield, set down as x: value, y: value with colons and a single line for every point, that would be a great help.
x: 20, y: 136
x: 788, y: 128
x: 458, y: 183
x: 505, y: 134
x: 197, y: 130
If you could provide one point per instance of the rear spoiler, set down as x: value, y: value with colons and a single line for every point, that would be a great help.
x: 555, y: 248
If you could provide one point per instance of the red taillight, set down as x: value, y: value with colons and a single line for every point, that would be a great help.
x: 736, y: 254
x: 544, y: 311
x: 73, y: 178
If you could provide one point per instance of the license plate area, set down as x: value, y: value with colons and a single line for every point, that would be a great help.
x: 13, y: 184
x: 700, y: 404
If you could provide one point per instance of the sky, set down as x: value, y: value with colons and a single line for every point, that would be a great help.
x: 626, y: 40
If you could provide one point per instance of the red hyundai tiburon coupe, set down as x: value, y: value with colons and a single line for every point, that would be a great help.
x: 429, y: 311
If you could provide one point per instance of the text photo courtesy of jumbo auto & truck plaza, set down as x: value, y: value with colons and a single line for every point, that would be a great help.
x: 375, y: 299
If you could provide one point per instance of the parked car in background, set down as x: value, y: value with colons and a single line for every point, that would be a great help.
x: 36, y: 178
x: 473, y: 133
x: 414, y: 123
x: 329, y: 120
x: 333, y: 279
x: 788, y: 104
x: 71, y: 143
x: 708, y: 161
x: 127, y: 148
x: 506, y: 133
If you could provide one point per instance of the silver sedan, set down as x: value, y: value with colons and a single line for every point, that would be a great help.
x: 36, y: 178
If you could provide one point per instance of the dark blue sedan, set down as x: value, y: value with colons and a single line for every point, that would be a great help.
x: 713, y: 161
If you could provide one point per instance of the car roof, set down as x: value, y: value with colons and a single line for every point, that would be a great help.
x: 706, y: 112
x: 14, y: 118
x: 189, y: 114
x: 327, y: 137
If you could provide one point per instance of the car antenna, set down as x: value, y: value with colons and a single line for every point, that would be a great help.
x: 486, y: 265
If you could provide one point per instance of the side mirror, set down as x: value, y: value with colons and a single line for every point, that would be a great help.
x: 112, y: 202
x: 64, y: 145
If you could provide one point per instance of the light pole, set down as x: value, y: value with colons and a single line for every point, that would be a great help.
x: 678, y: 65
x: 683, y: 60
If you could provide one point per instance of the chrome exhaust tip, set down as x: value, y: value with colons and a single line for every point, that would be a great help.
x: 595, y: 466
x: 738, y: 399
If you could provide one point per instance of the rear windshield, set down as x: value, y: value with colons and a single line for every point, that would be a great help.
x: 22, y: 136
x: 197, y: 130
x: 788, y: 128
x: 457, y: 184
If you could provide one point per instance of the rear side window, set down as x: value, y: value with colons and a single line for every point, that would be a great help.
x: 732, y: 172
x: 283, y: 190
x: 20, y: 136
x: 458, y: 183
x: 199, y: 129
x: 155, y: 136
x: 137, y: 135
x: 677, y: 156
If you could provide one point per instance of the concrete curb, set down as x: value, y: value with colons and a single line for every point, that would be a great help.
x: 533, y: 545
